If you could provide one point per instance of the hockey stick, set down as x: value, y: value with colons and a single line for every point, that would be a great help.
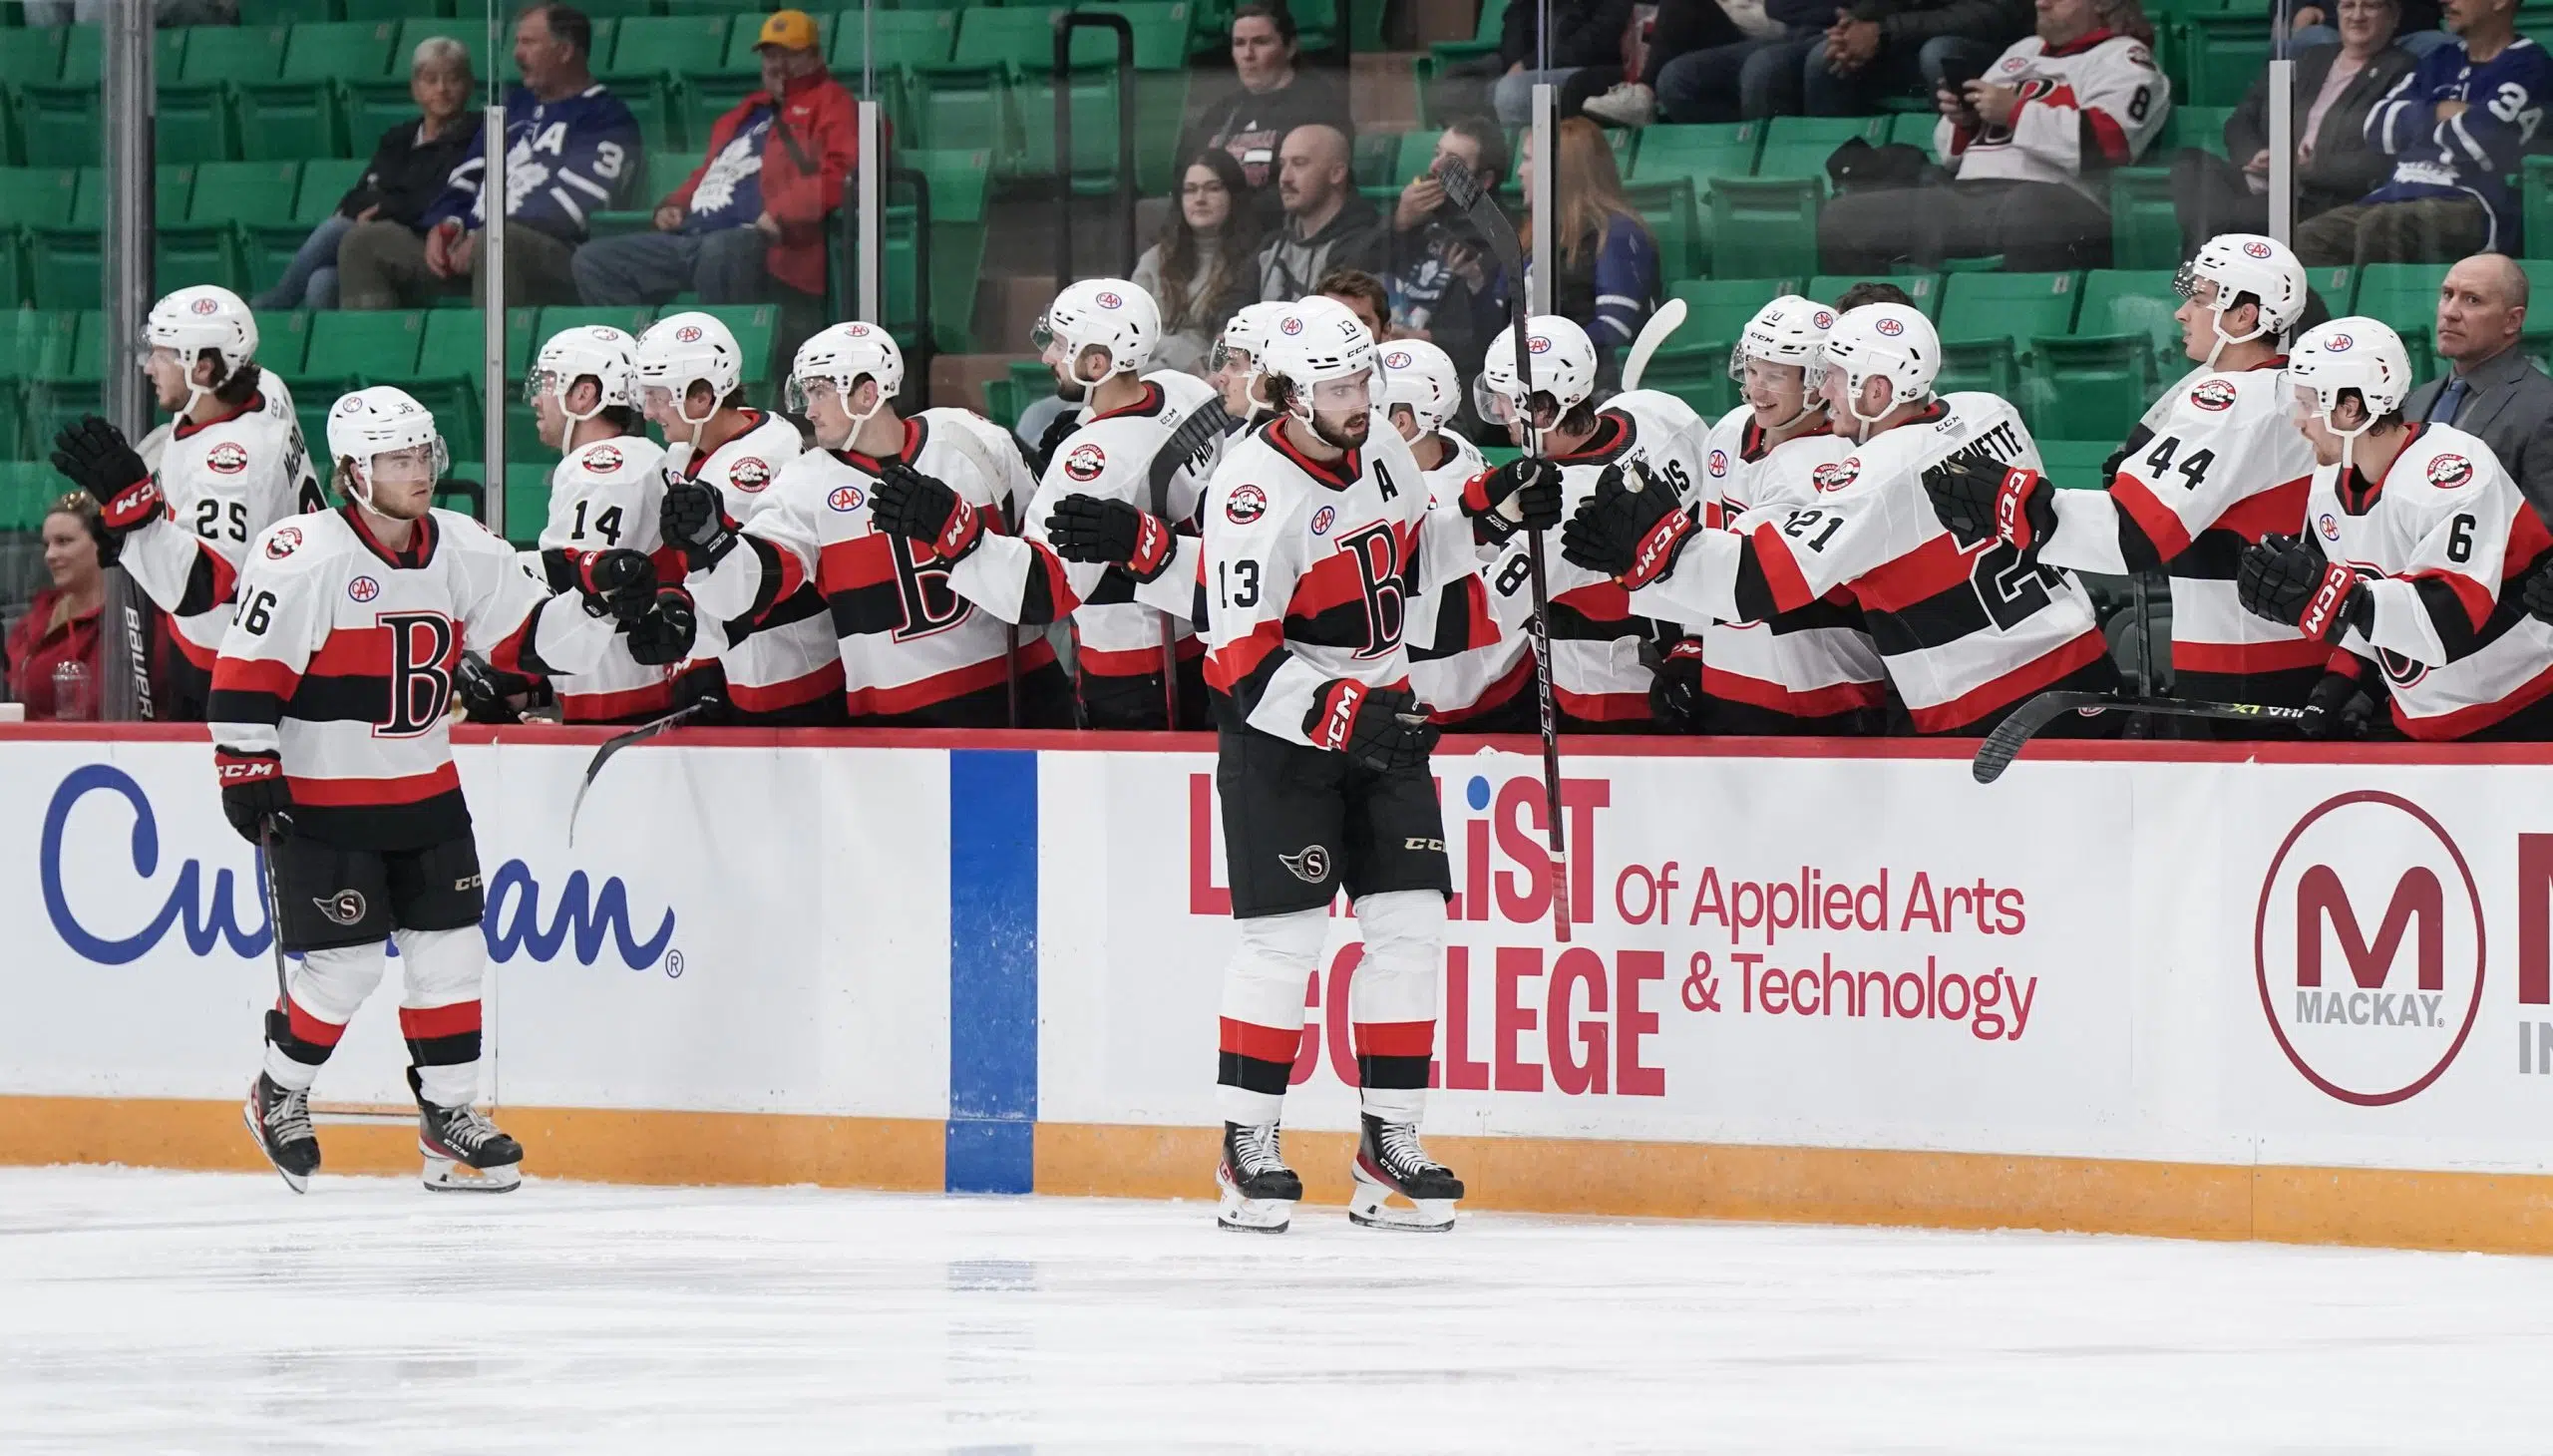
x: 1465, y: 192
x: 603, y: 755
x: 266, y: 841
x: 1653, y: 336
x: 2004, y: 744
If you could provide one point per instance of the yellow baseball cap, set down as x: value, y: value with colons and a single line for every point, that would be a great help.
x: 788, y: 29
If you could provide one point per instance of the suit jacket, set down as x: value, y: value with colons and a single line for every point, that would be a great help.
x: 2508, y: 401
x: 2345, y: 167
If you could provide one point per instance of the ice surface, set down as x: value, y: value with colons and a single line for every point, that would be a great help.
x: 163, y: 1311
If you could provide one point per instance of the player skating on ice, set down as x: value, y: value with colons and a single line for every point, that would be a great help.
x: 329, y: 702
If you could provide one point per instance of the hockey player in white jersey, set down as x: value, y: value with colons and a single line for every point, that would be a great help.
x: 232, y: 465
x: 1318, y: 540
x: 2212, y: 468
x: 1235, y: 361
x: 329, y: 708
x: 2416, y: 554
x: 781, y: 670
x: 1968, y: 631
x: 910, y: 652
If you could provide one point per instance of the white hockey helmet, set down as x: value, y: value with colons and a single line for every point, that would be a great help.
x: 1247, y: 332
x: 1564, y: 368
x: 1421, y: 376
x: 207, y: 316
x: 380, y: 420
x: 1318, y: 340
x: 1100, y: 313
x: 609, y: 355
x: 1881, y: 341
x: 1789, y: 330
x: 684, y: 349
x: 2241, y: 264
x: 843, y: 355
x: 2351, y: 353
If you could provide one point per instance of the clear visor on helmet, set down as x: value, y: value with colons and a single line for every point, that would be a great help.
x: 1347, y: 394
x: 1747, y: 369
x: 1043, y: 338
x: 662, y: 400
x: 411, y: 464
x: 2186, y: 281
x: 1228, y: 357
x: 802, y: 393
x: 2307, y: 402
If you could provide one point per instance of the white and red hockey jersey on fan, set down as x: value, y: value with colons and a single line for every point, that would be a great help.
x: 341, y: 662
x: 2213, y: 467
x: 225, y: 482
x: 2438, y: 540
x: 785, y: 656
x: 1596, y: 636
x: 1311, y: 572
x: 906, y: 641
x: 1468, y: 683
x: 605, y: 496
x: 2099, y: 91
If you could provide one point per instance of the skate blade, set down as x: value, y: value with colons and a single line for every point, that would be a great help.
x: 445, y: 1176
x: 298, y: 1183
x: 1368, y: 1208
x: 1254, y: 1215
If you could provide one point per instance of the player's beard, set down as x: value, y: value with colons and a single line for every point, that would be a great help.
x: 1070, y: 391
x: 1347, y: 434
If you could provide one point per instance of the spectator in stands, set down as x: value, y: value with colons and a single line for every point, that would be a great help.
x: 2416, y: 31
x: 1884, y: 48
x: 1440, y: 264
x: 1754, y: 76
x: 2455, y: 130
x: 1364, y: 296
x: 2031, y: 150
x: 1680, y: 27
x: 2495, y: 389
x: 410, y: 168
x: 1272, y: 100
x: 572, y: 149
x: 53, y: 650
x: 1205, y: 266
x: 1327, y: 225
x: 748, y: 225
x: 1607, y: 260
x: 1584, y: 35
x: 2336, y: 85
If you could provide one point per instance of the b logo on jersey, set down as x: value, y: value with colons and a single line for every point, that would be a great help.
x: 1311, y: 864
x: 1085, y: 463
x: 1397, y: 359
x: 2256, y: 249
x: 345, y: 907
x: 2213, y: 394
x: 844, y: 499
x: 1891, y: 328
x: 2337, y: 344
x: 2450, y: 470
x: 227, y: 459
x: 1246, y: 505
x: 1381, y: 570
x: 1109, y: 300
x: 283, y: 542
x: 1835, y: 476
x: 1322, y: 519
x: 2329, y: 526
x: 602, y: 460
x: 1718, y: 465
x: 422, y: 646
x: 689, y: 334
x: 749, y: 476
x: 362, y: 588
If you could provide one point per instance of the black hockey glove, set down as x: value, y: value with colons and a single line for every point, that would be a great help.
x: 693, y: 522
x: 1675, y: 693
x: 911, y: 504
x: 93, y: 455
x: 662, y: 635
x: 486, y: 695
x: 1982, y: 500
x: 2286, y: 580
x: 1096, y: 531
x: 617, y: 584
x: 2339, y: 706
x: 1524, y: 492
x: 1382, y: 728
x: 2537, y: 597
x: 254, y: 795
x: 1631, y: 535
x: 705, y: 684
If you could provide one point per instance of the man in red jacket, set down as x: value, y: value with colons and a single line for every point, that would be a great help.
x: 749, y: 224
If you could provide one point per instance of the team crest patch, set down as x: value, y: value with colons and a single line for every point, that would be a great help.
x: 2015, y: 62
x: 2450, y: 470
x: 844, y: 499
x: 1322, y: 519
x: 205, y: 307
x: 689, y: 334
x: 602, y: 460
x: 1085, y: 463
x: 2213, y: 395
x: 1537, y: 344
x: 1821, y: 319
x: 1835, y: 475
x: 1109, y: 300
x: 2256, y: 248
x: 227, y: 459
x: 2329, y: 526
x: 362, y: 588
x: 1397, y: 359
x: 749, y: 474
x: 1245, y: 505
x: 1891, y: 328
x: 1718, y: 463
x: 346, y: 907
x: 1310, y: 864
x: 855, y: 330
x: 2337, y: 344
x: 283, y: 542
x: 1294, y: 324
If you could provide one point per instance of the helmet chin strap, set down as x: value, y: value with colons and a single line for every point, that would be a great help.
x: 2260, y: 326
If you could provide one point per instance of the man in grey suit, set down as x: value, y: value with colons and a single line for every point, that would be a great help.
x: 2494, y: 390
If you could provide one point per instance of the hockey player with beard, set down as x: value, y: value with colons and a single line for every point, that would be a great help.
x: 1967, y: 630
x: 781, y: 670
x: 233, y: 464
x: 1121, y: 483
x: 601, y: 535
x: 2414, y: 538
x: 909, y: 650
x: 2211, y: 470
x: 1319, y: 542
x: 329, y: 703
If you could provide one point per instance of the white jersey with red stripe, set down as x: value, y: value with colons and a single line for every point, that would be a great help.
x: 2101, y: 88
x: 904, y: 641
x: 342, y: 656
x: 786, y: 658
x: 607, y: 495
x: 1476, y: 679
x: 2214, y: 466
x: 2437, y: 541
x: 1320, y: 571
x: 223, y: 482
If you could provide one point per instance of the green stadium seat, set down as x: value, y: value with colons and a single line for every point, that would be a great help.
x: 32, y: 57
x: 1717, y: 309
x: 2145, y: 232
x: 1827, y: 132
x: 2202, y: 126
x: 37, y: 196
x: 349, y: 350
x: 668, y: 45
x: 2075, y: 465
x: 1698, y: 152
x: 1376, y: 157
x: 1763, y: 227
x: 288, y: 121
x: 2404, y: 296
x: 34, y: 344
x: 526, y: 499
x: 59, y: 124
x: 1161, y: 31
x: 756, y: 327
x: 324, y: 182
x: 551, y: 321
x: 2221, y: 54
x: 892, y: 38
x: 1923, y: 288
x: 966, y: 109
x: 284, y: 340
x: 2124, y: 301
x: 348, y: 51
x: 243, y: 54
x: 285, y: 12
x: 1914, y: 129
x: 1979, y: 364
x: 2335, y: 286
x: 65, y: 266
x: 1675, y: 222
x: 27, y: 489
x: 960, y: 186
x: 84, y: 54
x: 229, y: 199
x: 2088, y: 387
x: 2008, y: 306
x: 370, y: 107
x: 2535, y: 192
x: 194, y: 123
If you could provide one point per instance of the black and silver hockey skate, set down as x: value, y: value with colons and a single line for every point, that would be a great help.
x: 1390, y: 1160
x: 281, y: 1122
x: 463, y: 1151
x: 1260, y: 1190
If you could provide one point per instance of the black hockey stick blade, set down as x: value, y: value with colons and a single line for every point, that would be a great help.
x: 603, y: 755
x: 2004, y: 744
x: 1464, y: 190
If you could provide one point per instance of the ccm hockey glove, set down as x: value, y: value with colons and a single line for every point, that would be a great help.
x: 1982, y: 500
x: 619, y: 582
x: 661, y: 635
x: 1524, y: 491
x: 1096, y: 531
x: 2286, y: 580
x: 93, y: 455
x: 1382, y: 728
x: 2339, y: 705
x: 692, y: 520
x: 1675, y: 693
x: 254, y: 792
x: 911, y: 504
x: 1631, y: 535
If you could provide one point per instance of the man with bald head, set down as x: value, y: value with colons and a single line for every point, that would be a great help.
x: 2492, y: 389
x: 1327, y: 224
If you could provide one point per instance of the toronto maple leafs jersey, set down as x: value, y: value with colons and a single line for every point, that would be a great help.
x: 565, y: 161
x: 2471, y: 153
x: 607, y: 495
x: 2088, y: 106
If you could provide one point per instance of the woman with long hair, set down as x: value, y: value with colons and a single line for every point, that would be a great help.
x: 1608, y: 274
x: 53, y: 650
x: 1205, y: 264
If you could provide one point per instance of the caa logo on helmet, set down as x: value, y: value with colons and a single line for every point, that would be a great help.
x: 855, y: 330
x: 689, y: 334
x: 1109, y: 300
x: 2256, y: 249
x: 2450, y: 470
x: 749, y: 476
x: 1821, y: 319
x: 602, y: 460
x: 1835, y: 476
x: 205, y: 306
x: 1891, y: 328
x: 1537, y: 344
x: 362, y: 588
x: 2329, y: 526
x: 2213, y: 394
x: 1396, y: 359
x: 1247, y: 503
x: 1085, y: 463
x: 228, y: 457
x: 1718, y: 463
x: 2337, y: 344
x: 283, y: 542
x: 1294, y: 324
x: 1322, y: 518
x: 844, y: 499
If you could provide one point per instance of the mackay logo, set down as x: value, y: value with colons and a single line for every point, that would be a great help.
x: 2213, y: 395
x: 2450, y: 470
x: 844, y: 499
x: 283, y: 542
x: 602, y: 460
x: 1835, y: 475
x: 1245, y: 505
x: 2368, y: 948
x: 1085, y: 463
x: 749, y: 476
x: 227, y: 459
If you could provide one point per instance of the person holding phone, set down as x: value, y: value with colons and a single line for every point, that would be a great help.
x: 1879, y: 48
